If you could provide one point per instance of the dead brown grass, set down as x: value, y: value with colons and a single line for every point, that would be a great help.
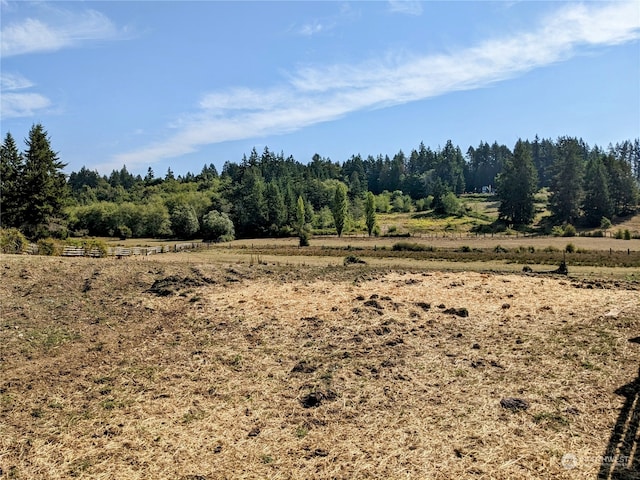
x: 103, y: 374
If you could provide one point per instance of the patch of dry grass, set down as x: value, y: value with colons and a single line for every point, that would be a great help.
x: 266, y: 371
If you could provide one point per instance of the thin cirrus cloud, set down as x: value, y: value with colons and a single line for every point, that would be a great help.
x: 15, y: 102
x: 408, y: 7
x: 63, y: 29
x: 68, y: 29
x: 313, y: 95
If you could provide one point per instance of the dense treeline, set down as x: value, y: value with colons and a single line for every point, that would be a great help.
x: 269, y: 194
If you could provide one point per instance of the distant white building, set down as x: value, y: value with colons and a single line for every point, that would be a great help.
x: 487, y: 189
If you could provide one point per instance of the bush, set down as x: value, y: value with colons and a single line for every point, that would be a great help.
x: 500, y: 249
x: 569, y: 231
x: 46, y: 246
x: 304, y: 237
x: 98, y: 247
x: 570, y: 248
x: 218, y: 227
x: 619, y: 234
x: 12, y: 241
x: 551, y: 249
x: 627, y: 234
x: 451, y: 205
x: 411, y: 247
x: 557, y: 231
x: 124, y: 232
x: 605, y: 223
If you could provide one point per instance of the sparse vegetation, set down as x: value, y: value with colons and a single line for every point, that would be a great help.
x: 305, y: 370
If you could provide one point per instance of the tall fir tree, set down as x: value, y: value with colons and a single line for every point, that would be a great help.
x: 517, y: 185
x: 250, y: 208
x: 44, y: 184
x: 623, y: 188
x: 276, y: 210
x: 566, y: 181
x: 11, y: 189
x: 340, y: 208
x: 597, y: 199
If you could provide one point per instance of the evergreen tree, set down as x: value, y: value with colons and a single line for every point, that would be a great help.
x: 370, y: 212
x: 276, y: 211
x: 623, y: 189
x: 517, y: 185
x: 44, y: 185
x: 249, y: 206
x: 597, y: 200
x: 566, y: 182
x: 11, y: 195
x: 340, y: 208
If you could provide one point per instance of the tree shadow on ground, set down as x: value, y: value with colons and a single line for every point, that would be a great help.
x: 621, y: 461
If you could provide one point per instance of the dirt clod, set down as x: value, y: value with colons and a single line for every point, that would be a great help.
x: 460, y: 312
x: 315, y: 399
x: 514, y: 404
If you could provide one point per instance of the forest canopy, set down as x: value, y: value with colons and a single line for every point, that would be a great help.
x: 259, y: 195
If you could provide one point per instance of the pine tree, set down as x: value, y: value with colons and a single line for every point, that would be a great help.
x: 11, y: 196
x: 45, y: 189
x: 566, y: 182
x: 517, y: 185
x: 340, y: 208
x: 597, y: 200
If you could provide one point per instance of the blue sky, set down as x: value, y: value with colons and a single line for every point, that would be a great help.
x: 182, y: 84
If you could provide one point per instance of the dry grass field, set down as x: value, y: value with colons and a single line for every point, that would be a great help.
x: 184, y: 367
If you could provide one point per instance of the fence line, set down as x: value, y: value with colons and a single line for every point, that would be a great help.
x: 119, y: 252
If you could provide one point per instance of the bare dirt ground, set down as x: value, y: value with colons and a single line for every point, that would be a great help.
x: 181, y: 368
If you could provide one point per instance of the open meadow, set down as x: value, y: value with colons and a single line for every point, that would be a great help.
x: 192, y: 366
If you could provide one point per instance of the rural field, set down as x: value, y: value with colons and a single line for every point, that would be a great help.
x: 223, y: 364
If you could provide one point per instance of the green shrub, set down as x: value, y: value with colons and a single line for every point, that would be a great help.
x: 557, y: 231
x: 570, y: 248
x: 12, y: 241
x: 605, y: 223
x: 46, y: 246
x: 92, y: 243
x: 465, y: 249
x: 411, y: 247
x: 304, y: 237
x: 619, y: 234
x: 569, y: 231
x: 627, y: 234
x: 218, y: 227
x: 124, y: 232
x: 500, y: 249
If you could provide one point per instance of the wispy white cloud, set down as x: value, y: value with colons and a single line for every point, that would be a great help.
x: 62, y: 29
x: 313, y: 95
x: 13, y: 81
x: 310, y: 29
x: 15, y: 102
x: 407, y: 7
